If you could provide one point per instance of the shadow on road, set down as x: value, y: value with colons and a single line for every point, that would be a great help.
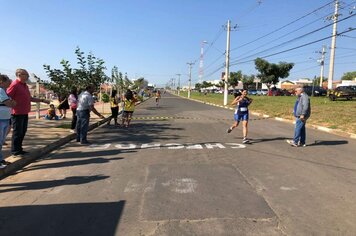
x: 328, y: 143
x: 62, y: 219
x: 73, y: 180
x: 260, y: 140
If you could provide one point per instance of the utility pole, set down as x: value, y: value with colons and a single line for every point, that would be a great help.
x: 322, y: 66
x: 333, y: 45
x: 38, y: 106
x: 227, y: 63
x: 178, y: 83
x: 190, y: 77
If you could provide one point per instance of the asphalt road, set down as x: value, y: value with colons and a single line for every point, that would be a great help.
x: 177, y: 172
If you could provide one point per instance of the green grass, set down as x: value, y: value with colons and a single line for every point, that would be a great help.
x: 339, y: 114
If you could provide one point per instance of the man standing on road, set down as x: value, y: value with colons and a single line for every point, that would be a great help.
x: 85, y: 106
x: 302, y: 113
x: 18, y: 91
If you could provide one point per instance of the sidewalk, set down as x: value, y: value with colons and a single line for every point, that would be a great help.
x: 44, y: 136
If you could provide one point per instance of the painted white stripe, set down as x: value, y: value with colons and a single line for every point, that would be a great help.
x: 174, y: 146
x: 125, y: 146
x: 194, y: 146
x: 236, y: 145
x: 211, y: 146
x: 150, y: 146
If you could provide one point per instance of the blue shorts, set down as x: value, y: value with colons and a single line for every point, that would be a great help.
x: 239, y: 117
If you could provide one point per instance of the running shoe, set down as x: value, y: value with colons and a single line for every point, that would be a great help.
x: 292, y: 143
x: 245, y: 140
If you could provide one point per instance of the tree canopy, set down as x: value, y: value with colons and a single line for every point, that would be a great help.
x: 349, y: 76
x: 270, y: 73
x: 91, y: 71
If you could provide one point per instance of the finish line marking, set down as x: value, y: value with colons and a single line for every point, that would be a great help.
x: 185, y: 118
x: 169, y: 146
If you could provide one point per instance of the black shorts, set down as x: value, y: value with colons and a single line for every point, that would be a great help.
x: 114, y: 112
x: 63, y: 105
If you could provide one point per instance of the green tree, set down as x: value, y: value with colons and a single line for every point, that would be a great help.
x: 247, y: 81
x: 349, y: 76
x: 206, y: 84
x: 234, y: 78
x: 90, y: 71
x: 270, y: 73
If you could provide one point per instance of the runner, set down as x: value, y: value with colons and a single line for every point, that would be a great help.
x: 158, y: 97
x: 129, y: 108
x: 241, y: 113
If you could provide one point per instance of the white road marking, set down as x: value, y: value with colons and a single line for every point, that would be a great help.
x: 100, y: 146
x: 288, y: 188
x: 170, y: 146
x: 125, y: 146
x: 211, y: 146
x: 137, y: 187
x: 184, y: 185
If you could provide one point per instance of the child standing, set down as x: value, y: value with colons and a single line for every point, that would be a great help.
x: 5, y: 114
x: 241, y: 113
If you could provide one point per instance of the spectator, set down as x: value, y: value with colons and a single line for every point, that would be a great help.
x: 18, y: 91
x: 114, y: 103
x: 51, y: 113
x: 63, y: 106
x: 85, y: 106
x: 73, y: 103
x: 302, y: 112
x: 5, y: 114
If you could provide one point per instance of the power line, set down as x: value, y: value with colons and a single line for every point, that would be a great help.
x: 276, y: 30
x: 300, y: 46
x: 299, y: 37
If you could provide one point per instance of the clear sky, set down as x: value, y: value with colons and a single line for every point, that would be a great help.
x: 155, y: 39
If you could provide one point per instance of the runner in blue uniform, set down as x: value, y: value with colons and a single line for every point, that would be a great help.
x: 241, y: 113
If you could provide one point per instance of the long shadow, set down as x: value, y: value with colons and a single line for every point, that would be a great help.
x: 73, y: 180
x: 260, y: 140
x: 71, y: 163
x: 328, y: 143
x: 89, y: 219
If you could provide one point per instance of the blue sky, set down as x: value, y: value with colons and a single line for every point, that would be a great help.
x: 155, y: 39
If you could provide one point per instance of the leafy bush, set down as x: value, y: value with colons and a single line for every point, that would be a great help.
x: 105, y: 97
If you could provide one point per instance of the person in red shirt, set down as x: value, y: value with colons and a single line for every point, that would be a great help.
x: 18, y: 91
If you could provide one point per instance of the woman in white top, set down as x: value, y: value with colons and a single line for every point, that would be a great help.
x: 73, y: 103
x: 5, y: 114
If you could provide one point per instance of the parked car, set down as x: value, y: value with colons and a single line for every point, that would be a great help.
x: 252, y: 92
x: 315, y: 91
x: 275, y: 92
x: 262, y: 92
x: 347, y: 92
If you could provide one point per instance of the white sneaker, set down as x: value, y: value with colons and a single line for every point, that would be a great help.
x: 2, y: 166
x: 245, y: 140
x: 72, y: 131
x: 292, y: 143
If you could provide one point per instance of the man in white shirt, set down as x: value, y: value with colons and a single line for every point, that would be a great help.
x: 85, y: 106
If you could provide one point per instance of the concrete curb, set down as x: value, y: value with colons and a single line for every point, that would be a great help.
x: 321, y: 128
x: 19, y: 163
